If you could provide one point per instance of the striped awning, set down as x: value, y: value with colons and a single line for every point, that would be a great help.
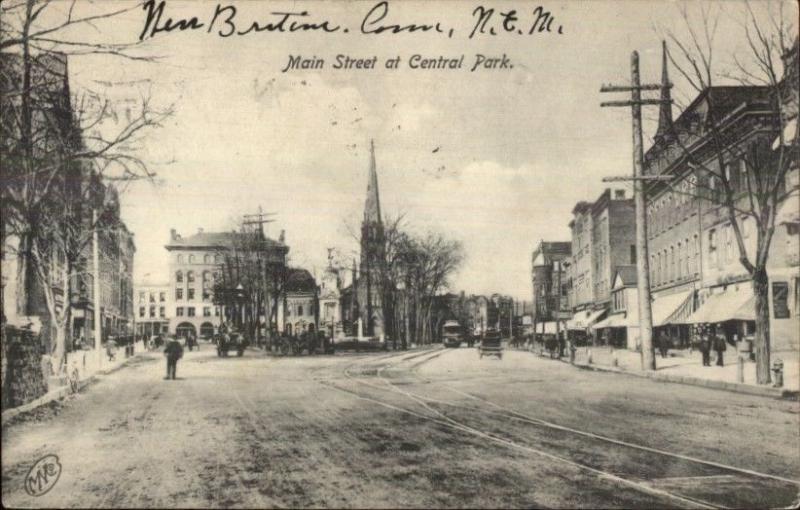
x: 585, y: 319
x: 618, y: 320
x: 673, y: 308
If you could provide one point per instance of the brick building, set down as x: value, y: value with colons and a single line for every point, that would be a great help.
x: 549, y: 283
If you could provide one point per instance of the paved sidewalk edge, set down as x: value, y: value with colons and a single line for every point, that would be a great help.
x: 61, y: 392
x: 747, y: 389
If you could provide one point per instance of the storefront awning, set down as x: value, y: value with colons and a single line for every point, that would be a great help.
x: 549, y: 328
x: 584, y: 319
x: 728, y: 305
x: 672, y: 309
x: 618, y: 320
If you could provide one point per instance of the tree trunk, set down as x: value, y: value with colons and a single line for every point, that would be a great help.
x: 762, y: 344
x: 25, y: 276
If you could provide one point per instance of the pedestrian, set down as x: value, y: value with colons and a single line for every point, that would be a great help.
x: 111, y: 349
x: 720, y: 346
x: 663, y: 344
x: 173, y: 351
x: 705, y: 347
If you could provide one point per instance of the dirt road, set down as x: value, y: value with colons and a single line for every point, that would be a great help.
x: 420, y: 429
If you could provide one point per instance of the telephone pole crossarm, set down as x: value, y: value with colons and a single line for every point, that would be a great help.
x: 628, y: 88
x: 631, y: 103
x: 618, y: 178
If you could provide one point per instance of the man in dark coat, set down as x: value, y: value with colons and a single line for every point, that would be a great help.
x: 173, y: 351
x: 719, y: 346
x: 705, y: 347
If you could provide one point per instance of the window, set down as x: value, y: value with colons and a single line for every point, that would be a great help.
x: 712, y: 247
x: 218, y: 258
x: 162, y: 312
x: 729, y: 243
x: 207, y: 258
x: 190, y: 276
x: 696, y: 256
x: 743, y: 184
x: 191, y: 259
x: 679, y: 269
x: 206, y: 295
x: 190, y: 311
x: 179, y: 311
x: 686, y: 266
x: 671, y: 263
x: 780, y: 300
x: 162, y: 296
x: 652, y: 269
x: 141, y: 311
x: 633, y: 254
x: 179, y: 277
x: 216, y: 311
x: 152, y: 297
x: 206, y: 311
x: 797, y: 295
x: 300, y: 310
x: 180, y: 259
x: 178, y: 294
x: 190, y: 295
x: 714, y: 189
x: 141, y: 297
x: 152, y: 311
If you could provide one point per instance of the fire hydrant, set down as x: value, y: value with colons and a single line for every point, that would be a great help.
x: 777, y: 370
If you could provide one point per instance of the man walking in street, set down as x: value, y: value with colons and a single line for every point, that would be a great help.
x: 173, y: 351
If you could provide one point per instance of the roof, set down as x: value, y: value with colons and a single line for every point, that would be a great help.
x: 372, y: 206
x: 217, y: 240
x: 628, y: 275
x: 551, y: 250
x: 300, y: 280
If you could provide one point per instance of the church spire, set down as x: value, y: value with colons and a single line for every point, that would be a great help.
x: 665, y: 108
x: 372, y: 208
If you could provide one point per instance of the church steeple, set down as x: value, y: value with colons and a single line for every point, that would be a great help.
x: 372, y: 207
x: 665, y: 108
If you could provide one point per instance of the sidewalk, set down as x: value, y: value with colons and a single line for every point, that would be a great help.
x: 684, y: 367
x: 89, y: 368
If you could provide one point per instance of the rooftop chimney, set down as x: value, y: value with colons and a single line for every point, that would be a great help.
x: 173, y: 234
x: 282, y: 237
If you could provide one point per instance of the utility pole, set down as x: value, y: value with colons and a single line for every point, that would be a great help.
x: 638, y: 178
x: 260, y: 219
x: 96, y: 289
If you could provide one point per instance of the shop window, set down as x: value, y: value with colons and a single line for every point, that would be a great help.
x: 780, y: 300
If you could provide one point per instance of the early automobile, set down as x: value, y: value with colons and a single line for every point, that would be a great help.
x: 491, y: 344
x: 452, y: 334
x: 232, y: 341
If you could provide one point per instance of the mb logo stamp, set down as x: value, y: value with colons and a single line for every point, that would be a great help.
x: 43, y: 475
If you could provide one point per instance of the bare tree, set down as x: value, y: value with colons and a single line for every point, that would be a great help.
x: 60, y: 149
x: 756, y: 192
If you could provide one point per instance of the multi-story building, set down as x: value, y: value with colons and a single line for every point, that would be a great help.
x: 581, y: 284
x: 195, y: 264
x: 330, y: 310
x: 549, y: 282
x: 695, y: 270
x: 83, y: 194
x: 621, y: 327
x: 153, y: 308
x: 603, y: 238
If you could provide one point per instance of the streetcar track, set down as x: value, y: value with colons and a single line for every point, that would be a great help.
x: 445, y: 420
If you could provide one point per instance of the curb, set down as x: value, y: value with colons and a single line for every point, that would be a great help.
x: 61, y: 392
x: 747, y: 389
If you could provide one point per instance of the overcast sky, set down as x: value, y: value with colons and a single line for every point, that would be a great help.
x: 494, y: 158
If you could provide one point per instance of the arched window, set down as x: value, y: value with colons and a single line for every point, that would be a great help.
x: 191, y: 259
x: 207, y: 258
x: 180, y: 258
x: 179, y: 276
x: 218, y: 258
x: 190, y: 276
x: 206, y: 278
